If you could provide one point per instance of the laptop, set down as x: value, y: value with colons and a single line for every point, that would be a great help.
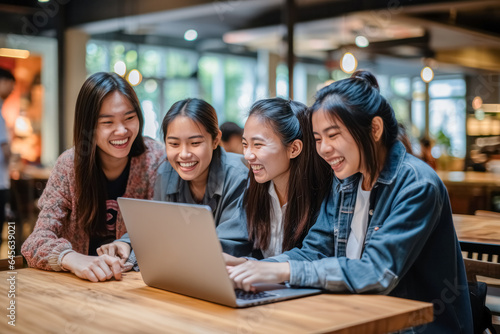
x: 178, y: 250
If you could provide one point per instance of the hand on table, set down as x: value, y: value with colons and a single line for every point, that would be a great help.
x: 251, y: 272
x: 93, y: 268
x: 232, y: 260
x: 117, y: 249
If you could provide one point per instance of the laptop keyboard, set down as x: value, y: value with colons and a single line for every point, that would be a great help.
x: 249, y: 295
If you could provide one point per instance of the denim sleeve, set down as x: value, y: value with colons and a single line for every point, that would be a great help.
x: 124, y: 238
x: 131, y: 258
x: 319, y: 242
x: 389, y: 253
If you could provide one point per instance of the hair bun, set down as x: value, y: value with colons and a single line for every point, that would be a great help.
x: 368, y: 77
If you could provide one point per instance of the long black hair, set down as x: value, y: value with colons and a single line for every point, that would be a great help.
x: 309, y: 180
x: 355, y: 101
x: 90, y: 182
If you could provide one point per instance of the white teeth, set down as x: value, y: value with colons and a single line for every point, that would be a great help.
x: 119, y: 142
x: 257, y: 167
x: 188, y: 164
x: 336, y: 161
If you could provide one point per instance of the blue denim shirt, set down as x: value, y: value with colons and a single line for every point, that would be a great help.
x: 410, y: 251
x: 227, y: 180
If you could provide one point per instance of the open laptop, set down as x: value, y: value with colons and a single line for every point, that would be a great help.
x: 178, y: 250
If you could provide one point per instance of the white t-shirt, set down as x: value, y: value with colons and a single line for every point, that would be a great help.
x: 4, y: 168
x: 359, y: 224
x: 277, y: 215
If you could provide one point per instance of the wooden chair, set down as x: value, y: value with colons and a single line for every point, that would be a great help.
x: 479, y: 251
x: 486, y: 270
x: 5, y: 264
x: 23, y: 205
x: 475, y: 268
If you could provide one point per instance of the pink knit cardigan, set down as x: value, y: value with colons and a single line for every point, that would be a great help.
x: 56, y: 231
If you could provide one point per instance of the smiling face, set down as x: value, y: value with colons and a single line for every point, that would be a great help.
x: 117, y: 128
x: 264, y: 151
x: 336, y: 145
x: 189, y: 148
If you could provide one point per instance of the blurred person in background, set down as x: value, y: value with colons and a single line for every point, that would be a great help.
x: 231, y: 137
x: 425, y: 152
x: 478, y: 159
x: 404, y: 138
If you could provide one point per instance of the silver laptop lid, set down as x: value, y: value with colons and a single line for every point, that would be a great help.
x: 177, y: 248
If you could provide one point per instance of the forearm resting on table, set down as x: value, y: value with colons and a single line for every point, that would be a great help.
x: 93, y: 268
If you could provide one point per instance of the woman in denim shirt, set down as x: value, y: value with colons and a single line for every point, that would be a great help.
x: 400, y: 240
x: 198, y: 171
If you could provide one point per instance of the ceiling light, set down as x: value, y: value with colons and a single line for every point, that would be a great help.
x: 190, y: 35
x: 120, y: 68
x: 348, y: 63
x: 134, y: 77
x: 362, y: 41
x: 150, y: 86
x: 427, y: 74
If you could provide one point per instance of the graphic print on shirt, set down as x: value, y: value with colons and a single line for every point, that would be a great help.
x: 111, y: 214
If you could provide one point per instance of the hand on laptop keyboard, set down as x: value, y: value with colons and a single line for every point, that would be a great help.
x: 249, y: 295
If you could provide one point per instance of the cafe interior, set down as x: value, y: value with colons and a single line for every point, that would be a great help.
x: 437, y: 63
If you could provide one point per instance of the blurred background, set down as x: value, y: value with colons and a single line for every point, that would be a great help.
x: 437, y: 62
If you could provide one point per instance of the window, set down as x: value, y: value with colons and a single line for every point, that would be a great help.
x: 239, y: 79
x: 446, y: 112
x: 169, y: 75
x: 399, y: 96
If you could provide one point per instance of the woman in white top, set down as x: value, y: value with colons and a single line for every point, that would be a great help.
x: 386, y: 226
x: 284, y: 194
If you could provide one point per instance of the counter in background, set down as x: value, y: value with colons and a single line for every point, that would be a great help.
x: 471, y: 191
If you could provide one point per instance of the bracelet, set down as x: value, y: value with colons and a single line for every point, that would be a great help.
x: 61, y: 256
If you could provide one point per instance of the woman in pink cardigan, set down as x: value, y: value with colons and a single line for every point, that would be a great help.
x: 110, y: 159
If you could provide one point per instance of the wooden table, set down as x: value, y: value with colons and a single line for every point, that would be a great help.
x: 61, y: 302
x: 478, y: 229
